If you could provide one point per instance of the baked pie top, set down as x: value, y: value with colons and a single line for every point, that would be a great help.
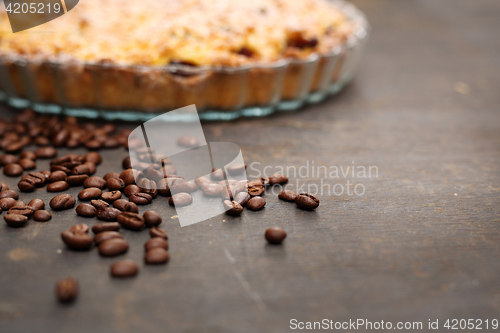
x: 193, y: 32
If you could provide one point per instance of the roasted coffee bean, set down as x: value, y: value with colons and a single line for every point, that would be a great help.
x: 61, y: 137
x: 180, y: 199
x: 131, y: 221
x: 64, y: 169
x: 8, y: 159
x: 21, y: 209
x: 81, y: 169
x: 57, y: 176
x: 42, y: 141
x: 217, y: 174
x: 179, y: 185
x: 188, y: 141
x: 27, y: 164
x: 148, y: 186
x: 13, y: 170
x: 202, y: 182
x: 152, y: 218
x: 106, y: 226
x: 228, y: 182
x: 9, y: 194
x: 157, y: 232
x: 306, y: 201
x: 28, y: 154
x: 113, y: 247
x: 232, y: 208
x: 242, y: 198
x: 99, y: 203
x: 116, y: 184
x: 131, y: 190
x: 67, y: 290
x: 3, y: 187
x: 126, y: 163
x: 156, y: 256
x: 256, y: 203
x: 278, y: 178
x: 18, y: 204
x: 163, y: 188
x: 77, y: 240
x: 14, y: 147
x: 129, y: 176
x: 90, y: 193
x: 46, y: 173
x: 107, y: 213
x: 263, y: 180
x: 287, y: 195
x: 62, y: 201
x: 76, y: 180
x: 124, y: 268
x: 120, y: 204
x: 139, y: 198
x: 91, y: 166
x: 79, y: 228
x: 58, y: 186
x: 15, y: 220
x: 111, y: 196
x: 131, y: 207
x: 111, y: 175
x: 228, y: 192
x: 42, y: 216
x: 36, y: 177
x: 94, y: 181
x: 105, y: 235
x: 36, y: 204
x: 46, y: 152
x: 26, y: 185
x: 85, y: 210
x: 212, y: 190
x: 93, y: 157
x: 7, y: 203
x: 156, y: 242
x: 236, y: 169
x: 255, y: 189
x: 275, y: 235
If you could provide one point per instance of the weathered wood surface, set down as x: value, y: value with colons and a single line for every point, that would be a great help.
x: 422, y: 243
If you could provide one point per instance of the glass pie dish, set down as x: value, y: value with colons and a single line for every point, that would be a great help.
x: 139, y: 92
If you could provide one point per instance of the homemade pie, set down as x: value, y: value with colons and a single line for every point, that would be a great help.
x: 156, y: 56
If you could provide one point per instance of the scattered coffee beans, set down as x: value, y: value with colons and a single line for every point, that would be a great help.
x: 115, y: 184
x: 27, y: 164
x: 105, y: 235
x: 180, y: 199
x: 307, y: 201
x: 287, y: 195
x: 85, y: 210
x: 42, y: 216
x: 57, y: 176
x: 77, y: 240
x: 80, y: 228
x: 141, y: 198
x: 152, y: 218
x: 107, y: 214
x: 133, y: 189
x: 278, y: 178
x: 7, y: 203
x: 58, y: 186
x: 15, y: 220
x: 67, y: 290
x: 232, y: 208
x: 256, y: 203
x: 94, y: 181
x: 110, y: 197
x: 106, y: 226
x: 99, y: 203
x: 76, y: 180
x: 275, y: 235
x: 61, y: 202
x: 124, y: 268
x: 242, y: 198
x: 157, y: 232
x: 36, y: 204
x: 13, y: 170
x: 46, y: 152
x: 131, y: 221
x: 9, y: 194
x: 156, y: 242
x: 90, y: 193
x: 156, y: 256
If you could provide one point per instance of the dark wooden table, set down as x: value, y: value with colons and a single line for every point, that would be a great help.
x: 423, y: 242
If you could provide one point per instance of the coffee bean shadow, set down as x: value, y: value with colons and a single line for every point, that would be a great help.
x: 277, y: 251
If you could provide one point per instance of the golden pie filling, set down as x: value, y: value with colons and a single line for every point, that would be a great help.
x: 194, y: 32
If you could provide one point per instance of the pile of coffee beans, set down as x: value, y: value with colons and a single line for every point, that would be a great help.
x: 303, y: 200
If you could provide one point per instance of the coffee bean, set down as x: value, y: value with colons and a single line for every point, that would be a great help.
x: 255, y: 189
x: 116, y: 184
x: 46, y: 173
x: 99, y: 203
x: 152, y: 218
x: 113, y: 247
x: 156, y: 256
x: 93, y: 157
x: 36, y: 177
x: 26, y: 185
x: 64, y: 169
x: 105, y: 235
x: 13, y: 170
x: 287, y: 195
x: 157, y: 232
x: 111, y: 175
x: 94, y: 181
x: 14, y: 147
x: 139, y: 198
x: 148, y: 186
x: 76, y: 180
x: 129, y: 176
x: 180, y: 199
x: 36, y: 204
x: 256, y: 203
x: 57, y: 176
x: 8, y: 159
x: 42, y: 215
x: 46, y: 152
x: 58, y: 186
x: 28, y: 154
x: 131, y: 221
x: 7, y: 203
x: 202, y: 182
x: 126, y: 163
x: 228, y: 192
x: 188, y: 141
x: 263, y: 180
x: 111, y: 196
x: 62, y: 201
x: 85, y: 210
x: 9, y: 194
x: 306, y: 201
x: 80, y: 228
x: 236, y: 169
x: 217, y: 174
x: 163, y: 188
x: 3, y: 187
x: 278, y: 178
x: 156, y: 242
x: 181, y: 185
x: 107, y: 226
x: 67, y: 290
x: 120, y: 204
x: 232, y: 208
x: 131, y: 189
x: 42, y: 141
x: 90, y: 193
x: 77, y: 240
x: 107, y: 213
x: 242, y: 198
x: 15, y: 220
x: 124, y: 268
x: 27, y: 164
x: 21, y: 209
x: 61, y: 137
x: 275, y: 235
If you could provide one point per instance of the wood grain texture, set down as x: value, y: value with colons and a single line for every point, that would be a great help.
x: 422, y: 243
